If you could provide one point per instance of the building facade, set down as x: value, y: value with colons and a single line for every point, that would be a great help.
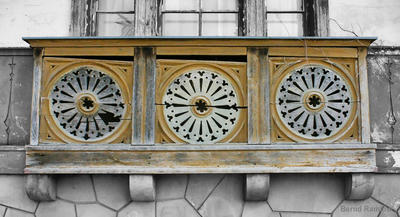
x: 289, y: 194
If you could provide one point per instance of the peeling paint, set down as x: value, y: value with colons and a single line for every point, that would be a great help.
x: 379, y: 136
x: 396, y: 157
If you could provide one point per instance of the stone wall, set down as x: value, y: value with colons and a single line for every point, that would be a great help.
x: 291, y: 195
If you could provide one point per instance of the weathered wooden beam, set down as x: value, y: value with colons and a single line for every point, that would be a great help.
x: 143, y: 99
x: 258, y: 96
x: 255, y: 18
x: 40, y: 187
x: 322, y: 17
x: 359, y: 186
x: 364, y: 97
x: 89, y: 51
x: 217, y: 51
x: 78, y: 14
x: 168, y: 159
x: 313, y: 52
x: 256, y: 187
x: 145, y: 17
x: 35, y: 111
x: 142, y: 188
x: 200, y: 42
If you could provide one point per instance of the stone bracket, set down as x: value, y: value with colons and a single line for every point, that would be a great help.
x: 142, y: 188
x: 40, y: 187
x: 256, y: 187
x: 359, y: 186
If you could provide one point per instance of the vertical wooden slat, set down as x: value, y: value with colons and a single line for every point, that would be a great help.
x: 364, y: 97
x: 78, y: 18
x: 309, y: 18
x: 316, y: 18
x: 258, y: 96
x: 322, y: 16
x: 255, y: 18
x: 37, y: 73
x: 145, y: 17
x: 143, y: 102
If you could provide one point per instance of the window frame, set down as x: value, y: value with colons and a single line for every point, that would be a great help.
x: 200, y: 12
x: 97, y: 11
x: 251, y: 18
x: 312, y: 12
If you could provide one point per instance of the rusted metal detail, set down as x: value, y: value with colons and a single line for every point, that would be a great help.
x: 205, y: 160
x: 41, y: 187
x: 359, y: 186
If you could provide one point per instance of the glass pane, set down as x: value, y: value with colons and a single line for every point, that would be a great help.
x: 115, y: 24
x: 116, y: 5
x: 220, y: 25
x: 284, y: 24
x: 215, y: 5
x: 180, y: 24
x: 284, y: 5
x: 181, y: 5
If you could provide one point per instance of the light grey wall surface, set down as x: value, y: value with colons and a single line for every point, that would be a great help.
x: 22, y: 18
x: 16, y: 67
x: 292, y: 195
x: 366, y: 18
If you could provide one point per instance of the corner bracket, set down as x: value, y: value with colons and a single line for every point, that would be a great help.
x: 142, y: 188
x: 359, y: 186
x: 40, y: 187
x: 256, y: 187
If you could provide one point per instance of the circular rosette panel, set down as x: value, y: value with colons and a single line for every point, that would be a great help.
x: 202, y: 106
x: 314, y: 102
x: 87, y: 104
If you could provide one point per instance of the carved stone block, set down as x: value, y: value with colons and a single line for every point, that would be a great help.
x: 142, y: 188
x: 359, y: 186
x: 41, y: 187
x: 257, y: 187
